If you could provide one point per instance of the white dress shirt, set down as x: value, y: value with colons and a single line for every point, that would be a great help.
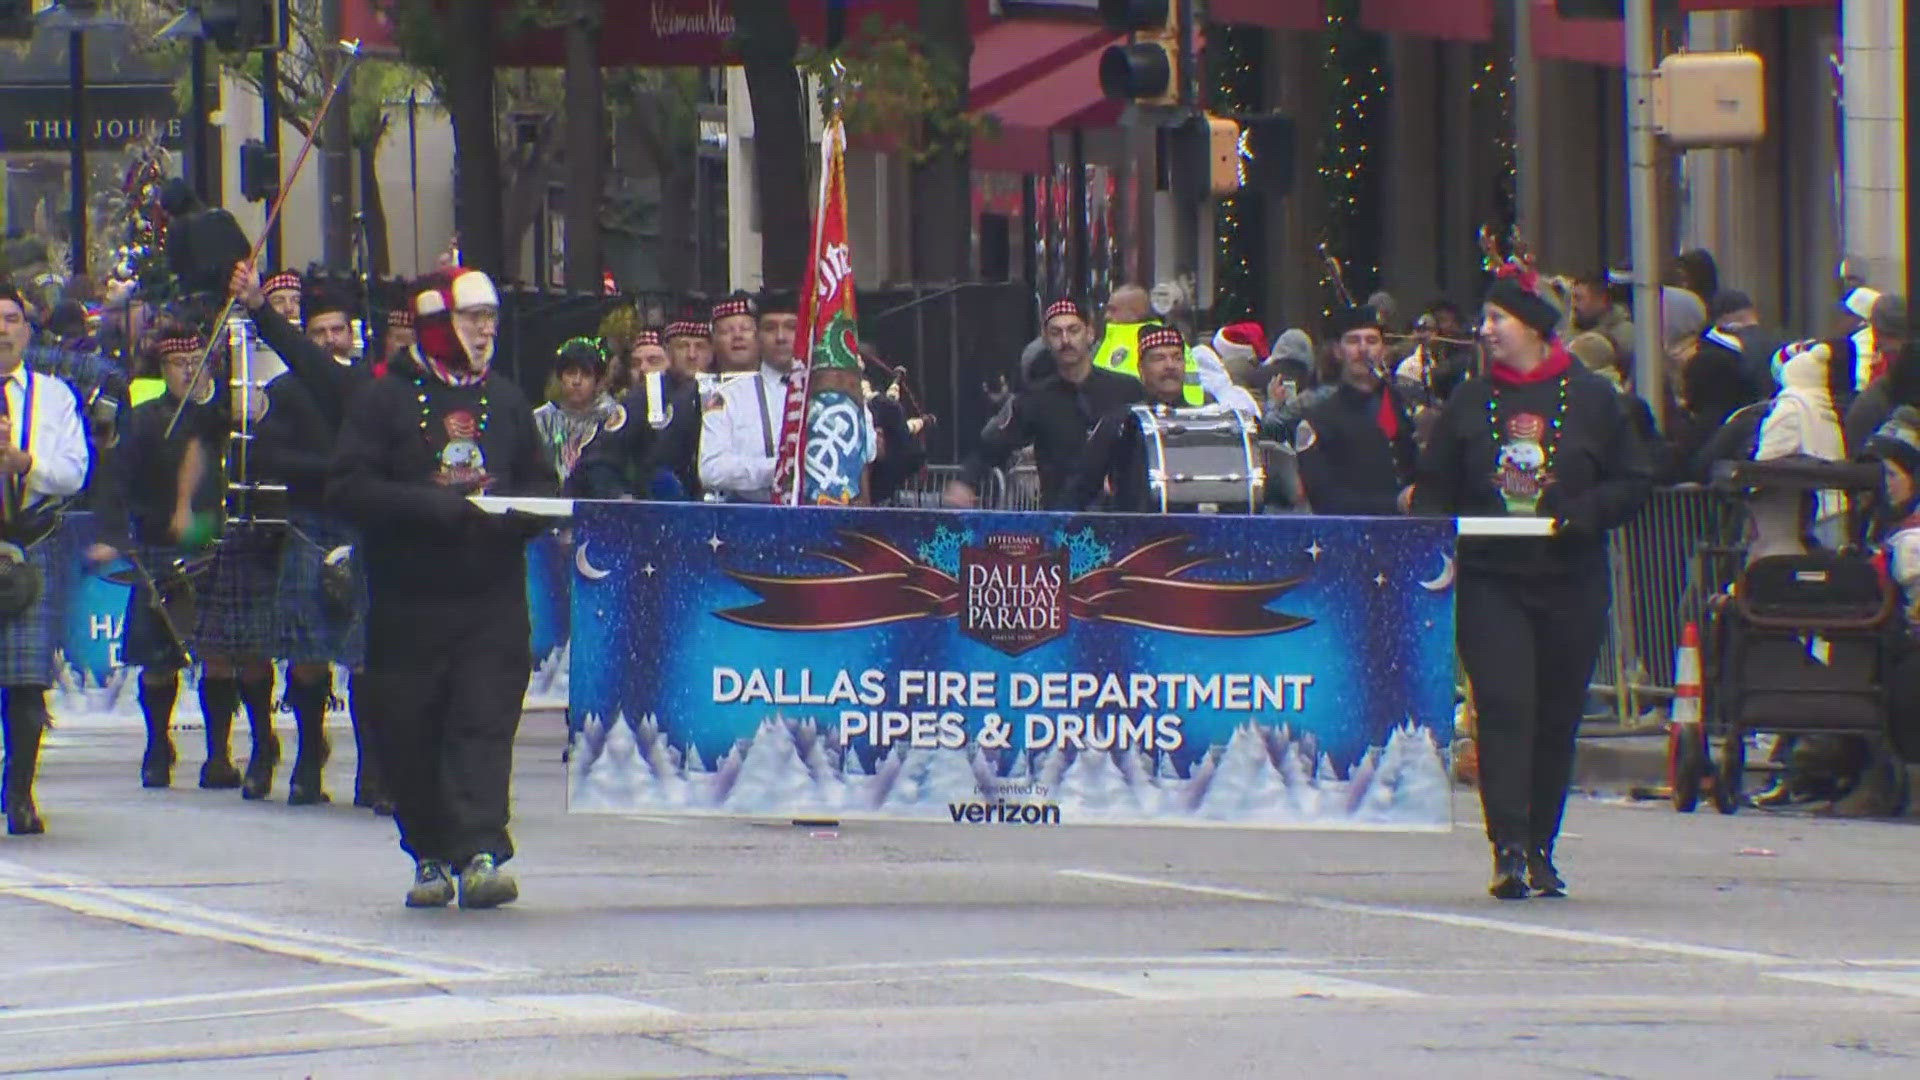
x: 57, y: 442
x: 740, y: 436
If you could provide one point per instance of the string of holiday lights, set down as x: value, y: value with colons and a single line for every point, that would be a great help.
x: 1235, y: 58
x: 1492, y: 93
x: 1355, y: 88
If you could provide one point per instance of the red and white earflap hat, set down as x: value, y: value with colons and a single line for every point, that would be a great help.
x: 435, y: 299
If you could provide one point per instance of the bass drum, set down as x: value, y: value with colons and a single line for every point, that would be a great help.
x: 1202, y: 461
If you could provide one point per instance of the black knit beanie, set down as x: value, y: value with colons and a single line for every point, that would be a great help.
x: 1529, y: 308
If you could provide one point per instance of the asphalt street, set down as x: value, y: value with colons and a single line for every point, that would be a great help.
x: 186, y: 933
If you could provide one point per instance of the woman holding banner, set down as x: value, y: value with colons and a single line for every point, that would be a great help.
x: 1536, y: 436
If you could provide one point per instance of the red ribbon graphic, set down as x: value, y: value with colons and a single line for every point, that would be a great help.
x: 1143, y: 589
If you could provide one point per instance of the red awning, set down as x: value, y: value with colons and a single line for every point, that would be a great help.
x: 1582, y: 41
x: 1272, y: 14
x: 1745, y: 5
x: 659, y: 33
x: 1037, y: 78
x: 1447, y: 20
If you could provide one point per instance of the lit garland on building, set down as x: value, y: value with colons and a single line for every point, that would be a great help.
x: 1356, y: 88
x: 1235, y: 62
x: 1492, y: 92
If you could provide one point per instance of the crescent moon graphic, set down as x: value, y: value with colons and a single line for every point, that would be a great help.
x: 587, y: 569
x: 1444, y: 581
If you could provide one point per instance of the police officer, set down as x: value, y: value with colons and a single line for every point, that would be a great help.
x: 1355, y: 446
x: 1113, y: 462
x: 43, y: 458
x: 1053, y: 416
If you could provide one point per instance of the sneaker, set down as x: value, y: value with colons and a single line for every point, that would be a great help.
x: 1542, y: 878
x: 1509, y: 873
x: 485, y: 885
x: 432, y: 884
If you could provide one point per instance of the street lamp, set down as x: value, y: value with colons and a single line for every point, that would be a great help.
x: 75, y: 18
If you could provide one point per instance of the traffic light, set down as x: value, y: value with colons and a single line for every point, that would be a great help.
x: 244, y: 25
x: 16, y: 20
x: 1147, y: 70
x: 1201, y: 157
x: 259, y: 171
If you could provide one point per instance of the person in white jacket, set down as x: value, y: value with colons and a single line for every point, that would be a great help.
x: 1802, y: 422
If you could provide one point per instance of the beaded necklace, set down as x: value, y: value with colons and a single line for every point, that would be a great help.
x: 1552, y: 439
x: 420, y: 390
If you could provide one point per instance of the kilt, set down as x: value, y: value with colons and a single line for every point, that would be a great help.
x: 233, y: 617
x: 144, y: 641
x: 26, y: 642
x: 309, y: 629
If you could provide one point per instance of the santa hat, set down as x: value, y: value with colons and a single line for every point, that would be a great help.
x: 435, y: 299
x: 1241, y: 347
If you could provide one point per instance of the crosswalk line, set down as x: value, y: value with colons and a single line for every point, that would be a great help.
x: 1222, y: 984
x: 454, y: 1011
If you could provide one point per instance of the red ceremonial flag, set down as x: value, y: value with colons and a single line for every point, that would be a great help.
x: 825, y: 437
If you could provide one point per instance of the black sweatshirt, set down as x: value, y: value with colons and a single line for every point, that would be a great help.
x: 1348, y: 465
x: 1600, y: 475
x: 137, y: 488
x: 293, y: 443
x: 1054, y: 416
x: 331, y: 383
x: 411, y: 451
x: 619, y: 464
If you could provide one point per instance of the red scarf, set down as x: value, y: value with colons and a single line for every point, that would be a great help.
x: 1556, y: 364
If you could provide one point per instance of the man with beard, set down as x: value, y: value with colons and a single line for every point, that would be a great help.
x: 736, y: 335
x: 1594, y: 310
x: 1053, y: 416
x: 43, y: 458
x: 448, y: 630
x: 1356, y: 447
x: 323, y: 623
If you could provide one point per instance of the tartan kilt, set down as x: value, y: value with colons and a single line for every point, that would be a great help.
x: 309, y: 629
x: 26, y: 642
x: 233, y: 616
x: 144, y: 641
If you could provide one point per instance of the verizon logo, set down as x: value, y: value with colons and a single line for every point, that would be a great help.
x: 676, y: 18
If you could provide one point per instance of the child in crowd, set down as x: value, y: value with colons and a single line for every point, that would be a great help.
x: 579, y: 406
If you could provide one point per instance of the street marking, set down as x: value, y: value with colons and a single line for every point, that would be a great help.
x: 1232, y: 984
x: 150, y: 912
x: 446, y: 1011
x: 1442, y: 918
x: 265, y: 993
x: 1195, y: 960
x: 1901, y: 984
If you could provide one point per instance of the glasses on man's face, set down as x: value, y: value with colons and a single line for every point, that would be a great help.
x: 479, y: 317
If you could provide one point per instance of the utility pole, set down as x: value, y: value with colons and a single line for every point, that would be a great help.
x: 336, y: 144
x: 1643, y: 216
x: 270, y: 135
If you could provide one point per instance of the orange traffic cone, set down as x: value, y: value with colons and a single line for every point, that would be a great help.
x: 1686, y: 741
x: 1686, y: 678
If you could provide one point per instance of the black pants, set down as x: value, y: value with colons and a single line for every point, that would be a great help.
x: 1529, y: 646
x: 450, y: 678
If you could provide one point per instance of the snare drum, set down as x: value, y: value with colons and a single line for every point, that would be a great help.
x: 1201, y: 461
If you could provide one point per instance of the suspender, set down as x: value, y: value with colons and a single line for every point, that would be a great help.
x: 766, y: 416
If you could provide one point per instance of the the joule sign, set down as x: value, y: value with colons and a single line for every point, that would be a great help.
x: 40, y: 117
x: 690, y: 18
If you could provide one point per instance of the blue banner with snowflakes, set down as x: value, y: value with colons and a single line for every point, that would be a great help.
x: 1016, y: 668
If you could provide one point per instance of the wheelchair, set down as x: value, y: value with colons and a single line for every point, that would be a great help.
x: 1801, y: 644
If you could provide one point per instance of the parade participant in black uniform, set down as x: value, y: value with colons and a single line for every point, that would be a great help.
x: 1054, y: 415
x: 654, y: 453
x: 43, y: 459
x: 1112, y: 464
x: 322, y: 361
x: 1540, y: 436
x: 319, y: 598
x: 1356, y: 447
x: 284, y: 292
x: 140, y: 499
x: 448, y: 633
x: 683, y: 339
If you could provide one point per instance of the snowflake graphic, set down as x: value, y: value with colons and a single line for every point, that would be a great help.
x: 1086, y: 553
x: 943, y: 551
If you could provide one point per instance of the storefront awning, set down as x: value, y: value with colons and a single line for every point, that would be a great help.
x: 1036, y: 78
x: 1271, y: 14
x: 1747, y: 5
x: 1581, y: 41
x: 1447, y: 20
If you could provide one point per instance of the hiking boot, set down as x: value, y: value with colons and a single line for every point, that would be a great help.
x: 1509, y: 873
x: 156, y: 766
x: 432, y: 885
x: 219, y: 775
x: 1542, y: 878
x: 485, y: 885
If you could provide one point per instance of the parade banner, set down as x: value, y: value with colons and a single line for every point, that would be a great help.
x: 1011, y: 668
x: 90, y: 606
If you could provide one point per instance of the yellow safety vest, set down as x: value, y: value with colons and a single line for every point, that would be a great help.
x: 141, y: 391
x: 1120, y: 351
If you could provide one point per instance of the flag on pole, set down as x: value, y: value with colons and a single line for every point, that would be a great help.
x: 826, y: 437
